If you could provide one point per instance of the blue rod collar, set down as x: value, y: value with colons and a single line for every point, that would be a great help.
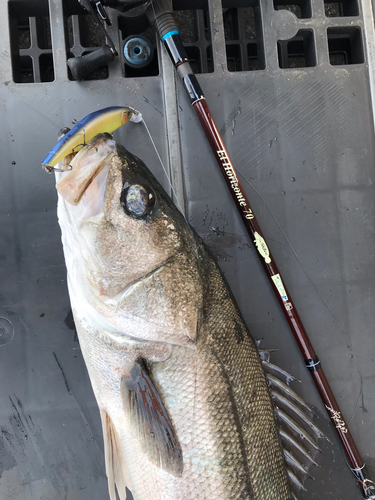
x: 170, y: 33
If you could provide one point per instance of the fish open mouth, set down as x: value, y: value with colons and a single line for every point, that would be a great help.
x: 84, y: 185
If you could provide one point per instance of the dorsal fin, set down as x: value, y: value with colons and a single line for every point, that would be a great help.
x: 298, y: 432
x: 295, y: 465
x: 278, y: 372
x: 298, y: 414
x: 278, y: 386
x: 298, y: 449
x: 291, y: 426
x: 150, y: 420
x: 295, y: 483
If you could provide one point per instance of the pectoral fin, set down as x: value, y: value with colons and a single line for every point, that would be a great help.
x: 151, y: 421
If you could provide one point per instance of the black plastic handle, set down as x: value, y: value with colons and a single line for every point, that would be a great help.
x: 84, y: 65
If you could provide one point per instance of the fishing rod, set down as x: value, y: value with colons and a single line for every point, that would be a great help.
x: 161, y: 16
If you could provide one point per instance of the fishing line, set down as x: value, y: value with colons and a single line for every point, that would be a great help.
x: 176, y: 200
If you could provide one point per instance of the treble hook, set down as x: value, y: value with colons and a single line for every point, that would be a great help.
x: 50, y: 169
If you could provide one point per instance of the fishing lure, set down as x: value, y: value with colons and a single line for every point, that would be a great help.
x: 103, y: 120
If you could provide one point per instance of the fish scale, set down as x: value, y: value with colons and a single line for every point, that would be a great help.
x: 239, y: 363
x: 191, y: 386
x: 184, y: 400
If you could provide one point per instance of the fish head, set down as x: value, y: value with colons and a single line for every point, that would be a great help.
x: 136, y: 261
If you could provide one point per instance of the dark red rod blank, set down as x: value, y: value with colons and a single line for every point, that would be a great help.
x: 283, y: 296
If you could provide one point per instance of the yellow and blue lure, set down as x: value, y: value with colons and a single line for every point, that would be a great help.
x: 103, y: 120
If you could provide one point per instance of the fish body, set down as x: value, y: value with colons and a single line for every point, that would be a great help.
x: 185, y: 406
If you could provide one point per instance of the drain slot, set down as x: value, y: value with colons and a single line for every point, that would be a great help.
x: 298, y: 52
x: 301, y: 9
x: 341, y: 9
x: 345, y: 46
x: 243, y: 37
x: 30, y: 39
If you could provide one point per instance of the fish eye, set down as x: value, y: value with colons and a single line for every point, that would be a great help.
x: 137, y: 200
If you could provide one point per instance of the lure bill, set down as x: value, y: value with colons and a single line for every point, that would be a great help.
x: 104, y: 120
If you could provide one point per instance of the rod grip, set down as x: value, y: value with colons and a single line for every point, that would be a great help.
x: 84, y: 65
x: 160, y: 15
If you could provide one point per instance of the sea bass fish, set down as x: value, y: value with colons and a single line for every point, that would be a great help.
x: 184, y: 400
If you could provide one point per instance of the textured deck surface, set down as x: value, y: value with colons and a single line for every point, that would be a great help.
x: 297, y: 118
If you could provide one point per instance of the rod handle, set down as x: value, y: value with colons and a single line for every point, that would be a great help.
x: 84, y: 65
x: 160, y: 15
